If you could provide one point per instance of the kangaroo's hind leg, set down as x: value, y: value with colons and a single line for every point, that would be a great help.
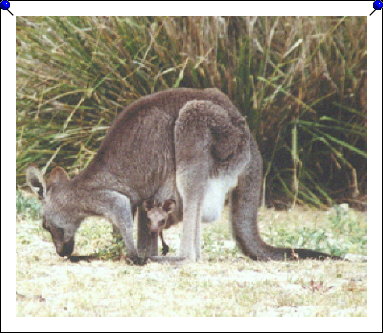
x: 206, y: 141
x: 193, y: 159
x: 191, y: 184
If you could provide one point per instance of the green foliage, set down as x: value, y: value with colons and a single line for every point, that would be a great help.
x: 113, y: 251
x: 350, y: 231
x: 300, y: 81
x: 341, y: 231
x: 217, y: 244
x: 27, y: 206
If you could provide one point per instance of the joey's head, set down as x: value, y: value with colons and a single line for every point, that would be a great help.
x: 61, y: 218
x: 158, y: 213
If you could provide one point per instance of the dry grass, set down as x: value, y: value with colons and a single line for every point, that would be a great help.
x: 224, y: 283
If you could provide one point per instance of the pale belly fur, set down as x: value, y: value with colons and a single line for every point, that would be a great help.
x: 214, y: 198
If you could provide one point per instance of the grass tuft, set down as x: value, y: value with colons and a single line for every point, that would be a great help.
x: 300, y: 81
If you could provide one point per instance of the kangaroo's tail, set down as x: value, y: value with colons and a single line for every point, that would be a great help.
x: 244, y: 202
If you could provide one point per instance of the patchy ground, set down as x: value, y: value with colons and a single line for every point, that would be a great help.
x: 224, y: 283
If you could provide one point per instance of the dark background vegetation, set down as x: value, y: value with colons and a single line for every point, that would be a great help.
x: 300, y: 81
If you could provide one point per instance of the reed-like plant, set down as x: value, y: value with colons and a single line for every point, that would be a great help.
x: 300, y: 81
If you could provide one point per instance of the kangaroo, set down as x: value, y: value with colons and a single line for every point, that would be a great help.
x: 160, y: 217
x: 189, y: 145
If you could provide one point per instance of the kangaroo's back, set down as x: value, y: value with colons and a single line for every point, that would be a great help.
x: 138, y: 153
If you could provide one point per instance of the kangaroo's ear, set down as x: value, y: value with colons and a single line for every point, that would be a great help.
x: 148, y: 204
x: 57, y: 175
x: 36, y: 181
x: 169, y: 205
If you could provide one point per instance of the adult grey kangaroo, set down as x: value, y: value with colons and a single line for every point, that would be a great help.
x: 189, y: 145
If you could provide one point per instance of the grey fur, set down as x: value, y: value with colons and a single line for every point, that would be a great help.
x: 180, y: 144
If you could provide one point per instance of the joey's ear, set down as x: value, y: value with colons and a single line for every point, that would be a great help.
x: 148, y: 204
x: 57, y: 175
x: 36, y: 181
x: 169, y: 205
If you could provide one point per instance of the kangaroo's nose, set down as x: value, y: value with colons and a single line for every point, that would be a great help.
x: 154, y: 228
x: 67, y: 249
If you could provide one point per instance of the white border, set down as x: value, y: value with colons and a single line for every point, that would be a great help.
x: 191, y: 8
x: 166, y: 8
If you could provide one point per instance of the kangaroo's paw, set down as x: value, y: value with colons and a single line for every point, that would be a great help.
x: 165, y: 250
x: 136, y: 260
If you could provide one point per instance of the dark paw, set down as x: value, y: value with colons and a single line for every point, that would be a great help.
x: 136, y: 260
x: 165, y: 250
x: 76, y: 259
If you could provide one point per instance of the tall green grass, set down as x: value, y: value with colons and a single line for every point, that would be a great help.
x: 300, y: 81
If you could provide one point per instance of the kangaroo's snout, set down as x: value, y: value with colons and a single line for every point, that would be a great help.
x: 154, y: 227
x: 66, y: 249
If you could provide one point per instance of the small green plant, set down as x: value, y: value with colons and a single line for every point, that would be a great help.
x: 113, y: 251
x: 339, y: 231
x: 349, y: 230
x: 341, y: 219
x: 27, y: 206
x: 217, y: 245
